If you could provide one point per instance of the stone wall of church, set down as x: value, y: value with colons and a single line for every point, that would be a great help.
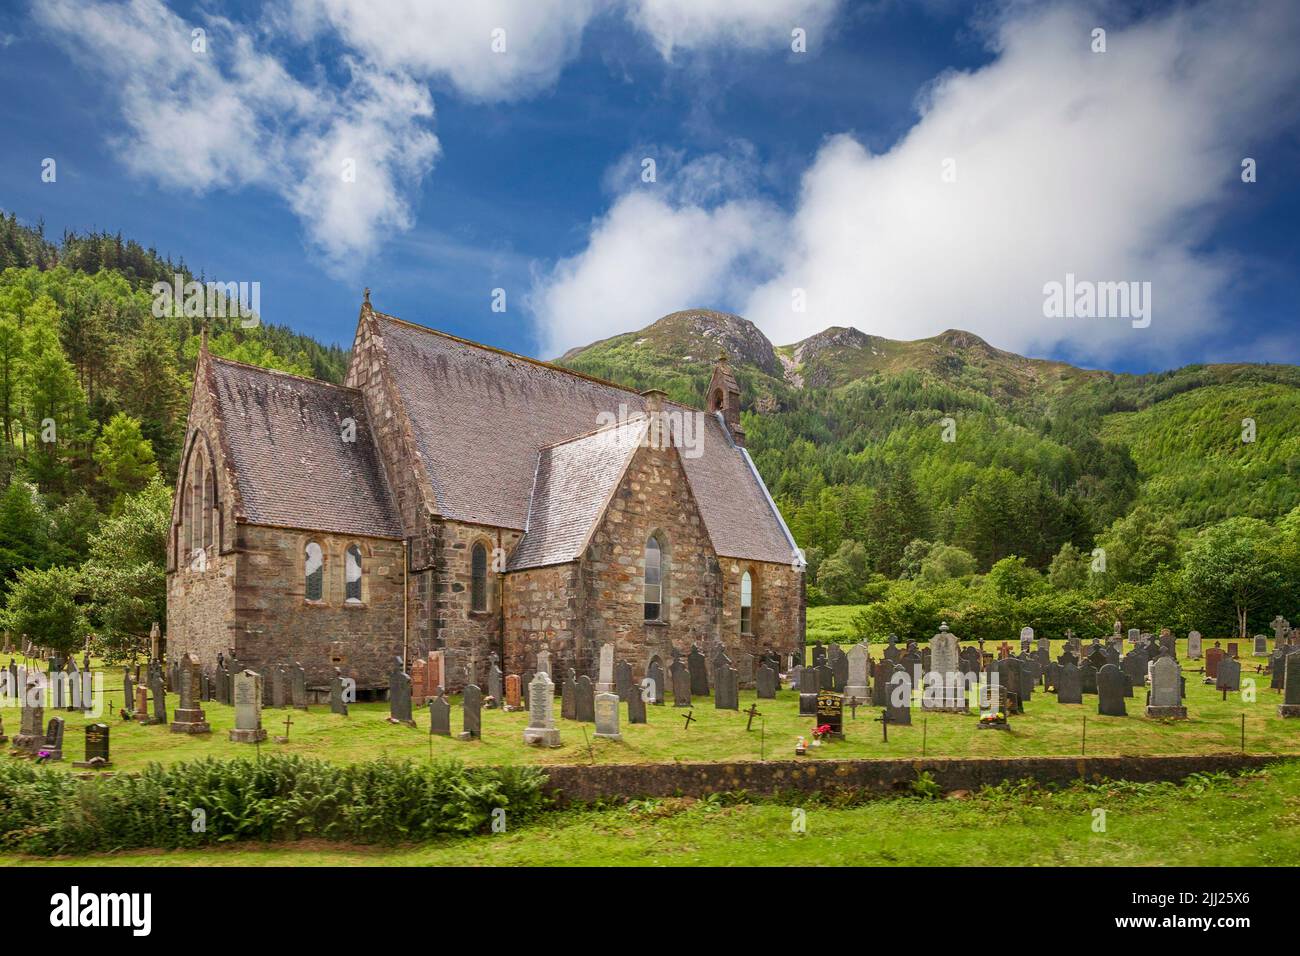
x: 467, y: 635
x: 276, y: 624
x: 541, y: 613
x: 201, y: 609
x: 653, y: 498
x: 779, y: 608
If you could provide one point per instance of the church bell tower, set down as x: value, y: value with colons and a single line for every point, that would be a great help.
x: 724, y: 396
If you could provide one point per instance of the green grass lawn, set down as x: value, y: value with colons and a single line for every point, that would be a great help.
x: 1208, y: 821
x: 1047, y: 728
x: 832, y: 623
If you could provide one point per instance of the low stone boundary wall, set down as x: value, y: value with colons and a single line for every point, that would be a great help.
x: 584, y: 784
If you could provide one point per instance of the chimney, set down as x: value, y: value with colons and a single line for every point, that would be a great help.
x: 724, y: 396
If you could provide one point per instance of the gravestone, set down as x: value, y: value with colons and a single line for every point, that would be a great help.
x: 1261, y: 646
x: 419, y: 682
x: 584, y: 701
x: 1229, y: 675
x: 1026, y: 639
x: 248, y: 708
x: 1069, y: 685
x: 892, y: 652
x: 605, y: 682
x: 97, y: 754
x: 994, y: 702
x: 496, y: 689
x: 623, y: 685
x: 471, y: 706
x: 30, y: 738
x: 158, y: 688
x: 524, y: 685
x: 856, y: 683
x: 636, y: 701
x: 880, y: 683
x: 1277, y: 669
x: 944, y: 688
x: 809, y: 685
x: 1166, y: 697
x: 1051, y: 676
x: 699, y: 673
x: 1088, y: 678
x: 1234, y: 650
x: 606, y: 716
x: 569, y: 698
x: 440, y: 714
x: 830, y: 712
x: 727, y: 692
x: 128, y: 687
x: 1011, y: 678
x: 338, y: 705
x: 825, y: 677
x: 766, y: 683
x: 399, y: 695
x: 544, y: 662
x: 513, y: 700
x: 745, y: 669
x: 1290, y: 706
x: 1194, y: 650
x: 655, y: 672
x: 1111, y: 684
x: 898, y: 697
x: 298, y: 686
x: 1213, y: 657
x: 838, y: 662
x: 189, y: 717
x: 141, y: 709
x: 279, y: 688
x: 541, y: 730
x: 53, y: 745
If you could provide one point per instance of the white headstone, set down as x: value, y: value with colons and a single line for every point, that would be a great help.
x: 541, y: 712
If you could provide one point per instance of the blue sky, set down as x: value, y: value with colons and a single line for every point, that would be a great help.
x: 779, y: 174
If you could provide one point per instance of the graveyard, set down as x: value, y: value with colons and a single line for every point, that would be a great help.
x: 1047, y: 727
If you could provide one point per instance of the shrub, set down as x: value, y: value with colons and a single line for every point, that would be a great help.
x: 45, y: 811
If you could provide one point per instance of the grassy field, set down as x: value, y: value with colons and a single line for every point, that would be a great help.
x: 1047, y: 728
x: 1251, y: 820
x: 832, y: 623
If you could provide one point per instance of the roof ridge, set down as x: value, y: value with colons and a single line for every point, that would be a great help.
x: 617, y: 423
x: 275, y: 371
x: 515, y: 355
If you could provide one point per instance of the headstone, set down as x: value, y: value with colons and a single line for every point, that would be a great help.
x: 248, y: 708
x: 513, y: 695
x: 1194, y: 645
x: 765, y: 684
x: 606, y: 707
x: 471, y: 705
x: 880, y: 683
x: 1111, y: 684
x: 830, y: 712
x: 727, y: 688
x: 189, y: 717
x: 585, y: 701
x: 944, y: 687
x: 605, y: 683
x: 1213, y: 657
x: 655, y: 672
x: 128, y: 687
x: 899, y: 697
x: 1234, y: 650
x: 156, y: 685
x: 699, y: 674
x: 809, y: 685
x: 298, y: 686
x: 440, y: 714
x: 623, y: 685
x: 544, y: 662
x: 1088, y: 677
x: 838, y: 662
x: 541, y: 730
x: 97, y: 753
x: 636, y: 701
x: 1261, y: 646
x: 1290, y: 706
x: 338, y: 705
x: 569, y: 697
x: 399, y: 695
x: 1166, y: 697
x: 279, y: 688
x: 1229, y: 675
x: 857, y: 684
x: 1069, y: 685
x: 53, y: 745
x: 745, y: 669
x: 1026, y: 639
x: 141, y: 709
x: 496, y: 687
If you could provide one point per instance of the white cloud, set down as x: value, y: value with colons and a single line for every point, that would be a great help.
x: 700, y: 24
x: 1110, y: 166
x: 454, y: 39
x: 233, y: 116
x: 652, y: 253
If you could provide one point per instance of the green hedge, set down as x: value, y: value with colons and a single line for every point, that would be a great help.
x: 44, y: 811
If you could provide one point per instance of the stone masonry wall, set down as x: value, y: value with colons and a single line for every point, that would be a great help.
x: 779, y: 608
x: 469, y: 636
x: 653, y: 496
x: 274, y: 623
x: 541, y: 612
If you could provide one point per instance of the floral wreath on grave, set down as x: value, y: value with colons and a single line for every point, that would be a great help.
x: 823, y: 731
x: 999, y: 717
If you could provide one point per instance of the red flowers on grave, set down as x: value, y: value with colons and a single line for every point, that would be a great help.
x: 822, y: 731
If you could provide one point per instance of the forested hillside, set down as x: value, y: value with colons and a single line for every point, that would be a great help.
x: 948, y: 478
x: 93, y: 394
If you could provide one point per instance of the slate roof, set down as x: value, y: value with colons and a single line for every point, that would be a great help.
x: 293, y: 469
x: 574, y: 482
x: 480, y: 417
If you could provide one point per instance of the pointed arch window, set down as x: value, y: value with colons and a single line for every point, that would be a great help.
x: 314, y: 572
x: 352, y: 574
x: 478, y: 578
x: 196, y: 499
x: 654, y: 581
x: 746, y: 604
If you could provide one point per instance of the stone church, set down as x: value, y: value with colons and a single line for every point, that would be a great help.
x: 459, y: 499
